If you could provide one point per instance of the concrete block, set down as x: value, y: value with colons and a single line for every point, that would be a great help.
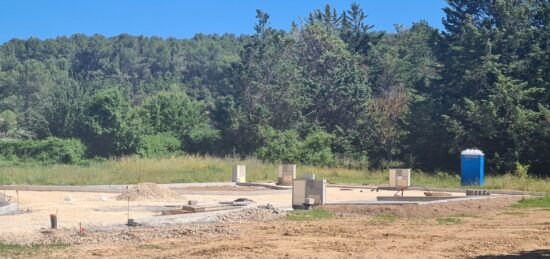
x: 309, y: 201
x: 287, y: 174
x: 477, y: 192
x: 400, y: 178
x: 304, y: 191
x: 308, y: 177
x: 239, y: 174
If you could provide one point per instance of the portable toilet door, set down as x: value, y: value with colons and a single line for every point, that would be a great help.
x: 472, y: 167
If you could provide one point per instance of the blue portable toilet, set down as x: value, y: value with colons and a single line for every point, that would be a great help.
x: 472, y: 167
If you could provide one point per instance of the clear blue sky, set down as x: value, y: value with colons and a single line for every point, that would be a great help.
x: 183, y: 18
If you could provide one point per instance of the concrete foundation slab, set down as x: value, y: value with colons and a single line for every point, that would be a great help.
x: 416, y: 198
x: 266, y: 185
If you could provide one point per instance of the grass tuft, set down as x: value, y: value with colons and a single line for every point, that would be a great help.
x: 8, y: 250
x: 449, y: 220
x: 306, y: 215
x: 387, y: 218
x: 540, y: 202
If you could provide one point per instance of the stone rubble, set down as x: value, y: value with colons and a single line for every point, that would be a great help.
x: 135, y: 235
x: 262, y: 213
x: 4, y: 200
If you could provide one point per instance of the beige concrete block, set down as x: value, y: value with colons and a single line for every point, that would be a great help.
x: 287, y: 174
x: 400, y: 178
x: 239, y: 174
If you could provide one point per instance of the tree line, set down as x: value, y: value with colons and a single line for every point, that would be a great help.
x: 330, y: 91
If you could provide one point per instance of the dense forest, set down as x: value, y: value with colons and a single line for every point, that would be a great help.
x: 331, y: 91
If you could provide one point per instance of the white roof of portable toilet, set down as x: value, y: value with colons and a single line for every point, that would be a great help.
x: 472, y: 152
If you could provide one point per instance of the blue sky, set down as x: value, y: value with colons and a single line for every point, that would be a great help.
x: 183, y: 18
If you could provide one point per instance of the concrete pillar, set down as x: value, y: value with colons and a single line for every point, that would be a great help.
x: 308, y: 191
x: 239, y: 174
x: 400, y: 178
x: 287, y: 174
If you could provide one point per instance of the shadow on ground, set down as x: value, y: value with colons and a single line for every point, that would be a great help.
x: 544, y: 253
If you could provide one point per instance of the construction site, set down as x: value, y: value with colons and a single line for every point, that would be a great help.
x: 248, y: 219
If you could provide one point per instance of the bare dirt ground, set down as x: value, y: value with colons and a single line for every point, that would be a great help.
x: 103, y: 210
x: 148, y: 191
x: 486, y: 229
x: 225, y: 188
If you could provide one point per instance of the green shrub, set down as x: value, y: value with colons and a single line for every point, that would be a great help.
x: 185, y: 117
x: 316, y: 149
x: 111, y: 126
x: 288, y: 147
x: 8, y: 121
x: 158, y: 145
x: 522, y: 171
x: 281, y: 146
x: 50, y: 150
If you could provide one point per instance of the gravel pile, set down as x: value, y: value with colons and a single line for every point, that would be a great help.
x: 261, y: 213
x: 3, y: 200
x: 148, y: 191
x: 136, y: 235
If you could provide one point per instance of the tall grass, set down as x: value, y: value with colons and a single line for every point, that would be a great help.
x: 183, y: 169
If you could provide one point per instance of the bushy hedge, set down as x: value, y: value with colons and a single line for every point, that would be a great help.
x: 159, y: 145
x: 50, y: 150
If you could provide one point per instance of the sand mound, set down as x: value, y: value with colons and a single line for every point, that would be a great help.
x: 148, y: 191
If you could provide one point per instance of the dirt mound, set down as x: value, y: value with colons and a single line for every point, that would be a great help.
x: 148, y: 191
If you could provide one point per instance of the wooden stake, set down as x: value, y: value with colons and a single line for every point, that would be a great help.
x: 53, y: 221
x: 17, y: 192
x: 128, y: 203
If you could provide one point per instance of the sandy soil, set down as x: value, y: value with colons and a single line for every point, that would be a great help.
x: 102, y: 210
x: 486, y: 228
x: 224, y: 188
x: 487, y: 231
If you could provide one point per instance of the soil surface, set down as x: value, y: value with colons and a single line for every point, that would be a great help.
x: 480, y: 229
x: 224, y: 188
x: 426, y: 210
x: 103, y: 210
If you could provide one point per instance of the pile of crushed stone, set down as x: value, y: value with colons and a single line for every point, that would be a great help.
x: 4, y: 200
x: 134, y: 235
x: 261, y: 213
x: 148, y: 191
